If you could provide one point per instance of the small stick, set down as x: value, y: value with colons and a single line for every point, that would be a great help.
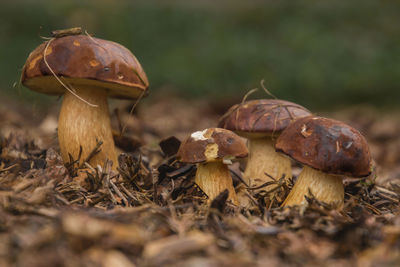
x: 112, y: 196
x: 239, y: 177
x: 126, y: 191
x: 8, y: 168
x: 95, y: 150
x: 385, y: 190
x: 66, y: 32
x: 76, y: 200
x: 119, y: 193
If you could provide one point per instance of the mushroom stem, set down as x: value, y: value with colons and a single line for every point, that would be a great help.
x: 213, y: 178
x: 324, y: 187
x: 82, y: 125
x: 263, y: 159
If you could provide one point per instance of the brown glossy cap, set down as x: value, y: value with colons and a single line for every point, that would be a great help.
x: 261, y: 117
x: 210, y: 145
x: 85, y: 61
x: 327, y: 145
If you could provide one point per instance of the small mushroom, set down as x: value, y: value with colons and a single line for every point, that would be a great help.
x: 212, y: 150
x: 261, y: 121
x: 329, y: 150
x: 93, y: 69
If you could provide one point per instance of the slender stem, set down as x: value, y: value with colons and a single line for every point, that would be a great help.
x: 324, y: 187
x: 82, y: 125
x: 213, y: 178
x: 263, y: 159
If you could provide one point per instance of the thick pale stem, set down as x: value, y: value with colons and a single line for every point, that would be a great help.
x: 324, y: 187
x: 213, y: 178
x: 264, y: 159
x: 82, y: 125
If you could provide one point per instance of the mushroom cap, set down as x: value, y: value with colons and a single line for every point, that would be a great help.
x: 211, y: 145
x: 81, y: 60
x: 261, y: 117
x: 327, y: 145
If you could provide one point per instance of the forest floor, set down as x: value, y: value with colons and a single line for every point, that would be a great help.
x: 151, y: 213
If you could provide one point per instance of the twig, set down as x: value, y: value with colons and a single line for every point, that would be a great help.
x: 126, y: 191
x: 92, y: 154
x: 239, y: 177
x: 8, y: 168
x: 119, y: 193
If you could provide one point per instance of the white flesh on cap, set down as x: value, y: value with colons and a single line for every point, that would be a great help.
x: 264, y: 159
x: 324, y: 187
x: 213, y: 178
x: 82, y: 125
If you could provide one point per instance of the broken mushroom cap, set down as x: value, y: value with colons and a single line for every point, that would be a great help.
x: 211, y: 145
x: 326, y: 145
x: 82, y: 60
x: 213, y: 149
x: 261, y: 117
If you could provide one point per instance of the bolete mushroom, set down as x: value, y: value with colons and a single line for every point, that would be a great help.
x: 261, y: 121
x: 212, y: 149
x: 92, y: 69
x: 329, y: 150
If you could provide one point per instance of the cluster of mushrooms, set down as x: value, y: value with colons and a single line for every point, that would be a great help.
x: 278, y: 132
x: 87, y: 70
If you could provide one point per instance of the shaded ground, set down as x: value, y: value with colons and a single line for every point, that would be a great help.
x: 152, y: 214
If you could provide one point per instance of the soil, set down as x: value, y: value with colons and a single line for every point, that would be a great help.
x: 151, y: 213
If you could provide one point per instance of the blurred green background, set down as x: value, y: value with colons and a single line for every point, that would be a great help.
x: 321, y: 54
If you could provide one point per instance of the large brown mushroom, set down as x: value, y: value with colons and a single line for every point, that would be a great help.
x: 212, y: 150
x: 329, y: 150
x: 92, y: 69
x: 261, y: 122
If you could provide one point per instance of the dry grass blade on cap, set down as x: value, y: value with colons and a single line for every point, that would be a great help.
x: 68, y: 88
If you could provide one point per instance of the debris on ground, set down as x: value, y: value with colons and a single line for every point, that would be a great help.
x: 151, y: 213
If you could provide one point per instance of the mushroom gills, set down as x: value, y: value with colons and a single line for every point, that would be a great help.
x: 264, y: 159
x: 213, y: 178
x: 324, y: 187
x: 50, y: 85
x: 83, y: 125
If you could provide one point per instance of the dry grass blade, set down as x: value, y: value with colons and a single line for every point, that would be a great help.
x: 71, y: 90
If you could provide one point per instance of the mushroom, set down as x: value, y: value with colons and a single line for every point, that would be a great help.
x: 261, y: 121
x: 212, y: 150
x: 329, y: 150
x: 85, y: 70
